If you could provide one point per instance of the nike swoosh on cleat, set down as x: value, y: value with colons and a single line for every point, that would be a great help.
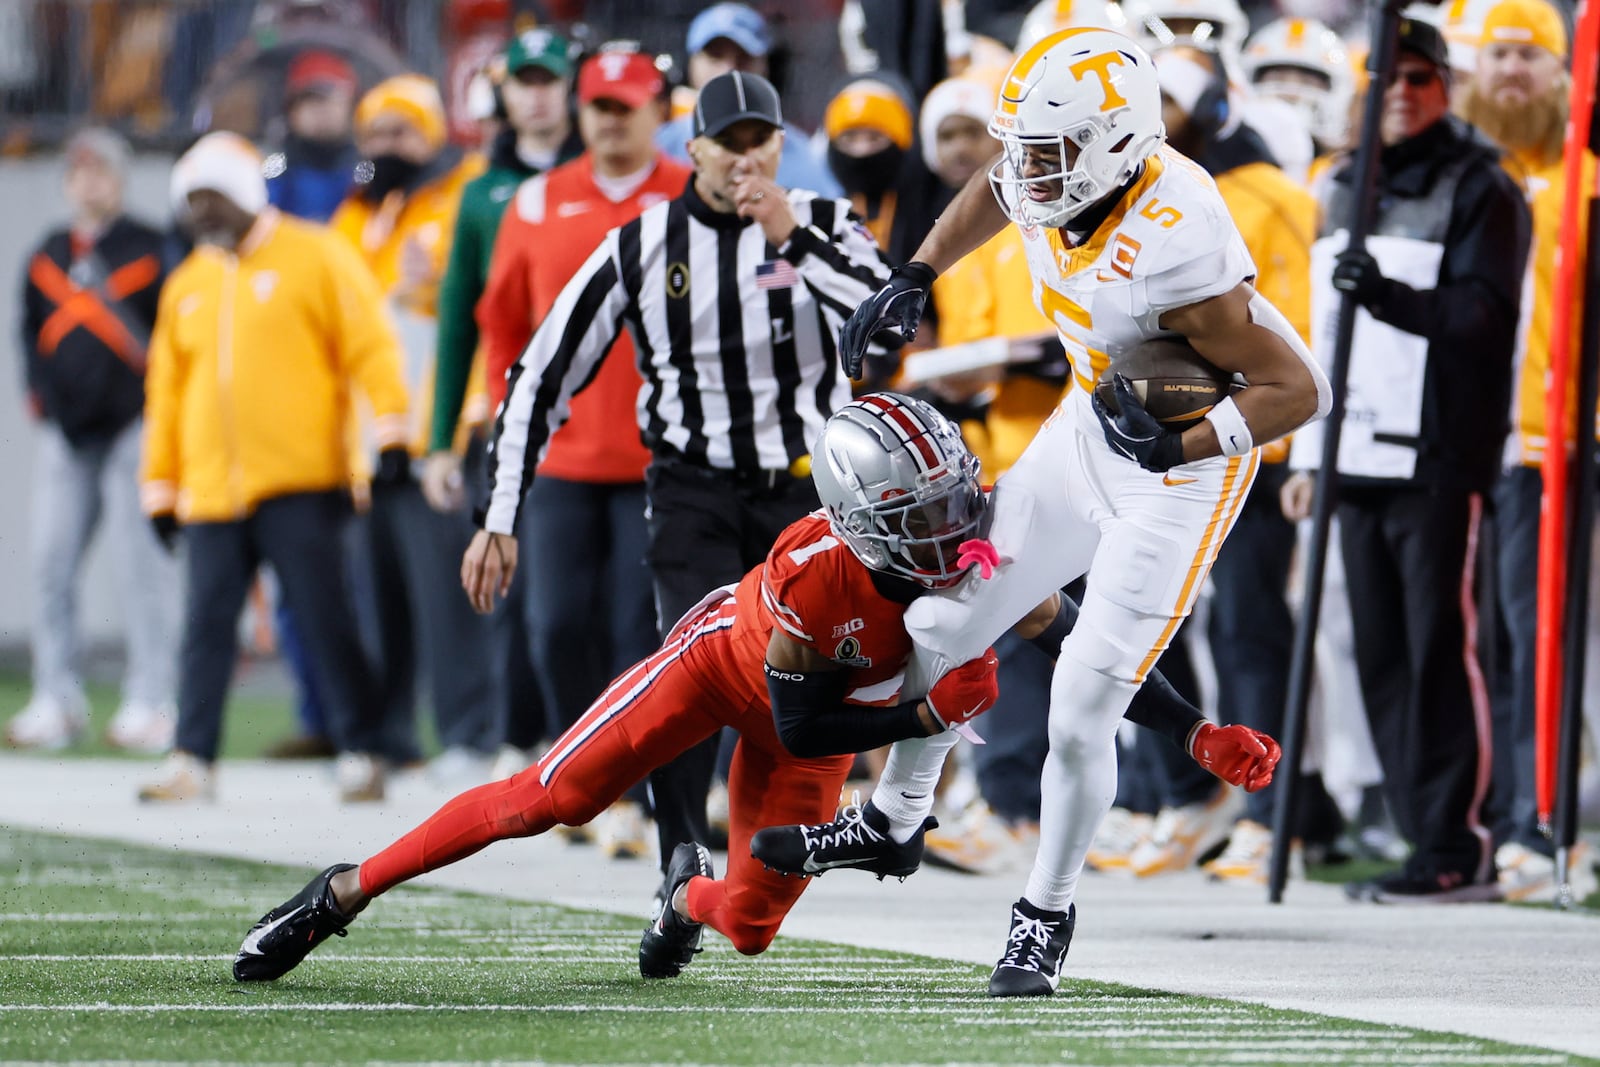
x: 811, y: 866
x: 252, y: 940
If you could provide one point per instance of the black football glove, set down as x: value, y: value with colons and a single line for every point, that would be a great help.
x: 888, y: 317
x: 394, y: 468
x: 1357, y: 273
x: 1134, y: 432
x: 166, y: 527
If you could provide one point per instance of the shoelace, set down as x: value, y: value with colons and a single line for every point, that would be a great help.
x: 1028, y: 939
x: 850, y: 828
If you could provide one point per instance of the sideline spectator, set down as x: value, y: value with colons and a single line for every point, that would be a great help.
x: 311, y: 171
x: 89, y: 304
x: 400, y: 219
x: 586, y: 587
x: 538, y: 135
x: 258, y: 471
x: 870, y: 126
x: 1439, y: 286
x: 1517, y: 95
x: 727, y: 37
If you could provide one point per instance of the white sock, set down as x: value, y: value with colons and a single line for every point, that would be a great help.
x: 905, y: 790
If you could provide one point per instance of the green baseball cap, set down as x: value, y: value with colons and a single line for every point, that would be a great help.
x: 539, y: 48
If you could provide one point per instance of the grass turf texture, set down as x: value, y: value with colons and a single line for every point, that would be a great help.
x: 115, y: 952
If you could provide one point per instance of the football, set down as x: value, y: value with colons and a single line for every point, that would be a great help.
x: 1176, y: 384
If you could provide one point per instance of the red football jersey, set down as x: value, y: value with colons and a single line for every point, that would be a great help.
x: 815, y: 590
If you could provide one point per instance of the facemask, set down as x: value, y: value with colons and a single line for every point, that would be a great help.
x: 870, y: 176
x: 376, y: 178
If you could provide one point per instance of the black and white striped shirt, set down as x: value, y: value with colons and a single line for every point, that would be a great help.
x: 736, y: 343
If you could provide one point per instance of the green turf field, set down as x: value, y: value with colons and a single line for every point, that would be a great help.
x: 114, y: 952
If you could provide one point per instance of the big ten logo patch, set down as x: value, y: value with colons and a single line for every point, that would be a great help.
x: 845, y: 629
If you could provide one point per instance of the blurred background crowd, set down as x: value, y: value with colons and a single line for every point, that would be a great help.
x: 402, y: 130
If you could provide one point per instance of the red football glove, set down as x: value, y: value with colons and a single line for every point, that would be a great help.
x: 966, y: 692
x: 1236, y: 754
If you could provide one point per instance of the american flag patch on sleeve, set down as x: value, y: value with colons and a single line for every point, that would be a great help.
x: 776, y: 274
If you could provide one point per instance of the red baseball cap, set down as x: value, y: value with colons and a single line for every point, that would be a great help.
x: 630, y: 78
x: 315, y: 70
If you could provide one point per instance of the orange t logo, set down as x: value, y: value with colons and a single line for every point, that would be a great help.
x: 1101, y: 65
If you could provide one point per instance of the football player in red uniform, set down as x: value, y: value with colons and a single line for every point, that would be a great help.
x: 803, y: 658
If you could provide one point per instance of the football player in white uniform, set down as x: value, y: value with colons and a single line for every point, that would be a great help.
x: 1126, y: 241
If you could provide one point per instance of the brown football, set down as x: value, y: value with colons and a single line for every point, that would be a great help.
x: 1176, y: 384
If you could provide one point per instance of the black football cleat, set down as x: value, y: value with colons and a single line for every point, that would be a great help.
x: 1035, y: 951
x: 858, y: 838
x: 285, y: 935
x: 671, y: 941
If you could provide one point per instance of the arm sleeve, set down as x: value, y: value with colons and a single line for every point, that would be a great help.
x: 505, y: 307
x: 32, y: 321
x: 459, y: 290
x: 837, y: 259
x: 1474, y: 306
x: 164, y: 373
x: 812, y: 719
x: 561, y: 359
x: 365, y: 343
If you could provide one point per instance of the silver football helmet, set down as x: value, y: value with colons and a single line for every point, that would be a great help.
x: 900, y: 487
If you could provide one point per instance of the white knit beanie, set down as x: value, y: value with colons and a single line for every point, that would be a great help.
x: 225, y: 163
x: 953, y: 96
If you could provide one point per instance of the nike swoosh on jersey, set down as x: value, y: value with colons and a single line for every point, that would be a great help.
x: 570, y: 209
x: 500, y: 194
x: 1167, y: 479
x: 253, y: 940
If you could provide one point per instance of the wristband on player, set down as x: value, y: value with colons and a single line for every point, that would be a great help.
x: 1233, y: 433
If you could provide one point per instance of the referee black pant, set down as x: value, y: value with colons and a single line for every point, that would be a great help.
x: 1409, y: 555
x: 707, y: 529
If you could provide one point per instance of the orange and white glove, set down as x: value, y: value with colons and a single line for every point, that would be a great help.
x: 966, y: 692
x: 1237, y: 754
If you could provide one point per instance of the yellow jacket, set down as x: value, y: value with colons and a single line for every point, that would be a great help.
x: 252, y: 363
x: 990, y: 294
x: 1545, y: 189
x: 1277, y: 217
x: 426, y: 219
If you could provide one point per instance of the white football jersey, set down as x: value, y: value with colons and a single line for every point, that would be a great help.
x: 1170, y: 242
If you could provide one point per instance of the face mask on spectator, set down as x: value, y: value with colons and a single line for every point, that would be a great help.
x: 868, y: 175
x: 379, y: 176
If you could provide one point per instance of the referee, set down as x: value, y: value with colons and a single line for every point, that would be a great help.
x: 734, y: 292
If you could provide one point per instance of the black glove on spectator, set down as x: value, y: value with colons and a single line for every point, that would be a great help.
x: 394, y: 468
x: 166, y: 527
x: 1358, y: 274
x: 1134, y: 432
x: 888, y: 317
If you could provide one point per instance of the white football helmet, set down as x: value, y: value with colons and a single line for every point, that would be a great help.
x: 1048, y: 16
x: 899, y: 486
x: 1092, y: 95
x: 1309, y: 46
x: 1220, y: 25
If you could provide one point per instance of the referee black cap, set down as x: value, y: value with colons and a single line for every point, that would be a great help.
x: 733, y: 97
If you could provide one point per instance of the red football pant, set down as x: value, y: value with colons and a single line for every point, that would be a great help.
x: 683, y: 693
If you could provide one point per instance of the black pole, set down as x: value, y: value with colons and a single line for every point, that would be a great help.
x: 1385, y: 19
x: 1580, y: 526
